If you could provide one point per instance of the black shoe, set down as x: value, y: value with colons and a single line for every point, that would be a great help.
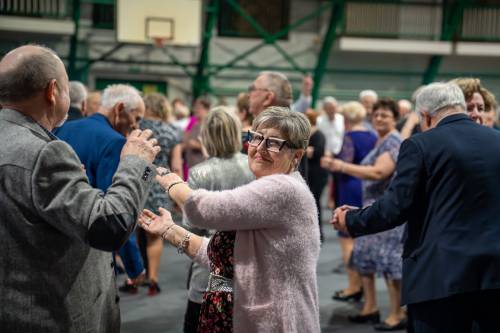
x: 129, y: 287
x: 340, y: 296
x: 371, y: 318
x: 383, y: 326
x: 154, y: 289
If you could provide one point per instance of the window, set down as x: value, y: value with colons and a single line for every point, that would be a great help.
x: 103, y: 16
x: 272, y: 16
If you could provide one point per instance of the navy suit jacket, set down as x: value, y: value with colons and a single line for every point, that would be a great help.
x: 97, y: 145
x: 447, y: 187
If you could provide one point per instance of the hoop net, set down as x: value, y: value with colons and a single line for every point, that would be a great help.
x: 160, y: 41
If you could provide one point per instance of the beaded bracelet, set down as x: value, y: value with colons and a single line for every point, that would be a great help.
x: 184, y: 243
x: 173, y: 184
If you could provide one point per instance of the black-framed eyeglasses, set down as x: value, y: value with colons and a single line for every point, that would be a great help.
x: 271, y: 144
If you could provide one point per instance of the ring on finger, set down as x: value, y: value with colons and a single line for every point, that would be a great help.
x: 165, y: 172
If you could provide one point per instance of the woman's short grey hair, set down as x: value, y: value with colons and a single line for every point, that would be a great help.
x: 121, y: 93
x: 279, y: 84
x: 440, y: 96
x: 293, y: 126
x: 221, y: 133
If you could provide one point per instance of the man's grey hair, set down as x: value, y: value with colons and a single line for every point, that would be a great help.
x: 437, y: 97
x: 121, y: 93
x: 368, y: 92
x: 294, y: 126
x: 279, y: 84
x: 30, y: 76
x: 77, y: 93
x: 329, y: 100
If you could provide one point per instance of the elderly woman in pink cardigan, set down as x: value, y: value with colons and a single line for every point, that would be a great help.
x: 263, y: 258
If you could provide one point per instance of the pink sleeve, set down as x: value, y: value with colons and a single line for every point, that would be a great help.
x: 201, y: 256
x: 263, y: 203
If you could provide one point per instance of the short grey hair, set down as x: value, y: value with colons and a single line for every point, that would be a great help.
x: 279, y: 84
x: 30, y: 75
x: 294, y: 126
x: 77, y: 93
x: 439, y: 96
x: 221, y: 132
x: 329, y: 100
x: 368, y: 92
x: 121, y: 93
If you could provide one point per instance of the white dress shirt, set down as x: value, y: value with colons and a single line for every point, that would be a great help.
x: 333, y: 131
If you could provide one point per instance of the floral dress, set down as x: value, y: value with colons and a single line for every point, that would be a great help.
x: 217, y: 308
x: 381, y: 252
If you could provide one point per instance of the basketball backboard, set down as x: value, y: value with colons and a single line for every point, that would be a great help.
x: 177, y: 21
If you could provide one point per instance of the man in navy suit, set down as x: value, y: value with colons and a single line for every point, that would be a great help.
x: 98, y: 141
x: 447, y: 188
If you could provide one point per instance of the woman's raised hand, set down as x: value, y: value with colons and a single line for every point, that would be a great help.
x: 156, y: 224
x: 166, y: 178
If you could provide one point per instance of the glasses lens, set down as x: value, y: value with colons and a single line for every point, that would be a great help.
x: 274, y: 144
x: 254, y: 138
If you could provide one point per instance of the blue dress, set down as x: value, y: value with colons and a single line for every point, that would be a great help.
x: 379, y: 253
x: 356, y: 145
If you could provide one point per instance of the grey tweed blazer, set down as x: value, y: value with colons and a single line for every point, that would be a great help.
x: 55, y: 229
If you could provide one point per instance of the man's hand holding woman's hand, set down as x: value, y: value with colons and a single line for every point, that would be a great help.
x: 338, y: 219
x: 332, y: 164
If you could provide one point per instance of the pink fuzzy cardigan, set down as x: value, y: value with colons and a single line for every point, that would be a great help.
x: 275, y: 253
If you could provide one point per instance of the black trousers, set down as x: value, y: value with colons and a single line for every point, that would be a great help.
x: 191, y: 317
x: 476, y: 312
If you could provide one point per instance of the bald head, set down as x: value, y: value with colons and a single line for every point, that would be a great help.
x: 26, y: 71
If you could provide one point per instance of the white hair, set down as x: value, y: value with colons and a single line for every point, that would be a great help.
x: 77, y: 93
x: 368, y: 93
x: 329, y: 100
x: 121, y: 93
x: 437, y: 97
x: 405, y: 103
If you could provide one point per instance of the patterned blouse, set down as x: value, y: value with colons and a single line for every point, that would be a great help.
x: 168, y: 136
x: 373, y: 189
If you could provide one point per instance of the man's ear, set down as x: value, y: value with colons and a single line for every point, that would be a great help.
x: 84, y: 107
x: 51, y: 92
x: 269, y: 100
x: 115, y: 113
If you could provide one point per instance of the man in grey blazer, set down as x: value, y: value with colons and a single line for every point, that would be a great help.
x: 55, y: 275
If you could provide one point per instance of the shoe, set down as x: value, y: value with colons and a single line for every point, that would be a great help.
x: 129, y: 287
x: 154, y: 289
x: 383, y: 326
x: 371, y: 318
x: 340, y: 296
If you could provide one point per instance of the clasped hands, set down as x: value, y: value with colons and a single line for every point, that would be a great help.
x: 330, y: 163
x: 338, y: 219
x: 160, y: 224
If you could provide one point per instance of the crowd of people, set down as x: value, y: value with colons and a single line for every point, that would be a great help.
x: 415, y: 192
